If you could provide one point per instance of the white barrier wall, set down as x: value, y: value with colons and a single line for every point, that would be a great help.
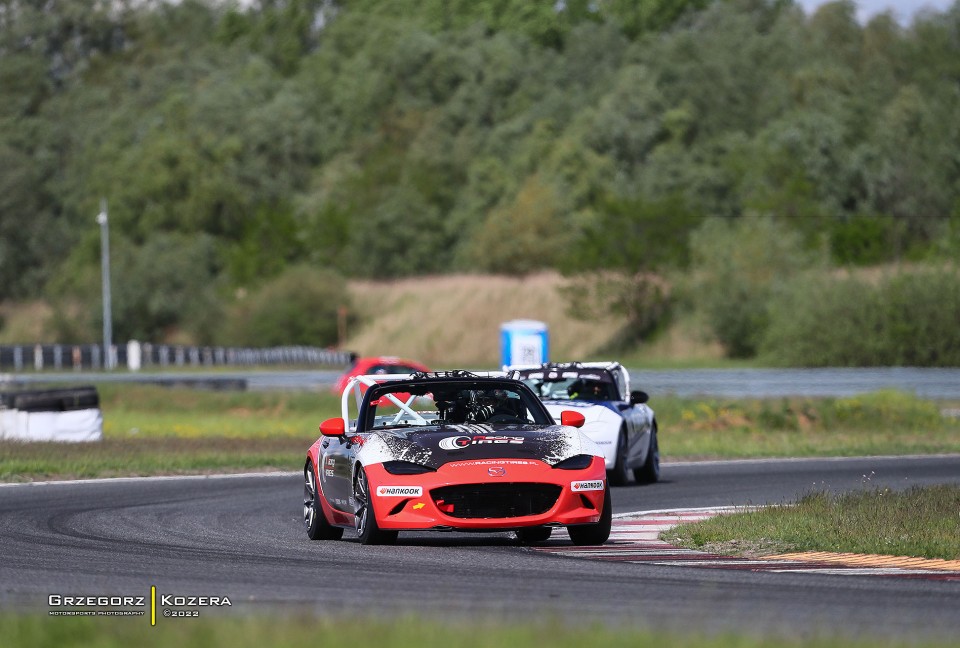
x: 70, y: 426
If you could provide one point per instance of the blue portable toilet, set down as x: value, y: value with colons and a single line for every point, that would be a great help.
x: 524, y: 342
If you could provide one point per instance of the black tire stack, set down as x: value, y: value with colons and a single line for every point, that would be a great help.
x: 52, y: 400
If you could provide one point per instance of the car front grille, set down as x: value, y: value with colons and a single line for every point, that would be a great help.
x: 496, y: 500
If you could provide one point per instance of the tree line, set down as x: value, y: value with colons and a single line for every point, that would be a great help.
x: 242, y: 146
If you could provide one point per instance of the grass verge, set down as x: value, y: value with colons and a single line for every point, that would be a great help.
x: 152, y: 430
x: 880, y: 423
x: 920, y: 522
x: 147, y: 411
x: 128, y: 457
x: 42, y: 632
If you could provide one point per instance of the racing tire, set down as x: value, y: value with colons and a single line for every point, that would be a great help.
x: 618, y: 475
x: 594, y: 534
x: 56, y: 400
x: 318, y: 528
x: 368, y: 530
x: 649, y: 472
x: 533, y: 535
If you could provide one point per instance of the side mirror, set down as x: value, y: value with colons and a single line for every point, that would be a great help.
x: 638, y: 397
x: 571, y: 418
x: 333, y: 427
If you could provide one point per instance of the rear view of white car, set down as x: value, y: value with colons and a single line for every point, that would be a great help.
x: 618, y: 420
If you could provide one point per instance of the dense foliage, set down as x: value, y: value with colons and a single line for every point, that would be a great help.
x: 301, y: 306
x: 379, y: 138
x: 907, y: 319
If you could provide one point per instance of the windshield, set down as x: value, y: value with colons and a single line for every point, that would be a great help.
x: 571, y: 386
x: 437, y: 403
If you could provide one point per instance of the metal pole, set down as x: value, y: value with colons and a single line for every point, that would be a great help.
x: 105, y: 272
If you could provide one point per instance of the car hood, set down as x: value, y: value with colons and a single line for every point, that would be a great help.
x: 437, y: 445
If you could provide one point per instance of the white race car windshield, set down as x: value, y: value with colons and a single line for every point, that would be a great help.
x: 590, y: 387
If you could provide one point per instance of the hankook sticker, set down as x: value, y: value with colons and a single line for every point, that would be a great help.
x: 578, y: 486
x: 399, y: 491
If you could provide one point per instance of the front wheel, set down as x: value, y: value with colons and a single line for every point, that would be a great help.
x: 595, y: 534
x: 313, y: 518
x: 368, y: 530
x: 618, y: 475
x: 649, y: 472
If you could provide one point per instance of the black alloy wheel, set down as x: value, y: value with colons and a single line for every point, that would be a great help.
x: 649, y: 472
x: 618, y: 475
x: 367, y: 529
x: 313, y: 518
x: 598, y: 533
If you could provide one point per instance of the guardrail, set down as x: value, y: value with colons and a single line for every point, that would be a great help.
x: 136, y: 355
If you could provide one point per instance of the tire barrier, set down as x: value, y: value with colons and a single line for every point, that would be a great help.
x: 68, y: 414
x: 135, y: 355
x: 52, y: 400
x: 210, y: 384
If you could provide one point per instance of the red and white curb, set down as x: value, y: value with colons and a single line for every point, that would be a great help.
x: 635, y: 539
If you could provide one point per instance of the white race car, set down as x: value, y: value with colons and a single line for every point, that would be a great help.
x: 617, y: 419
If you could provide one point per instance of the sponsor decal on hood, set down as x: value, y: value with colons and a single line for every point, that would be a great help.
x: 494, y: 462
x: 459, y: 442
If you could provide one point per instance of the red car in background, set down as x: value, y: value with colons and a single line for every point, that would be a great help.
x: 376, y: 365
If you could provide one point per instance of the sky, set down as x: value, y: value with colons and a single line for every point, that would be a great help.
x: 903, y: 10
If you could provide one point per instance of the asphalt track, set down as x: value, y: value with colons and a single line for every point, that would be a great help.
x: 242, y: 537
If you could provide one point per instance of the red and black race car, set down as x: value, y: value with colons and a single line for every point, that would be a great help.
x: 453, y: 451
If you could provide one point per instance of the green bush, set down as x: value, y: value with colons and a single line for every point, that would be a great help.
x: 635, y: 235
x: 907, y: 319
x: 645, y: 299
x: 298, y: 307
x: 737, y: 266
x: 819, y: 320
x: 863, y: 239
x: 167, y: 283
x: 922, y: 317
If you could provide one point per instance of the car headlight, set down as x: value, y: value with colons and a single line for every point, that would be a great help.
x: 406, y: 468
x: 576, y: 462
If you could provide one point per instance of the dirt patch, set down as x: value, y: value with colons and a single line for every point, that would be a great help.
x: 24, y: 322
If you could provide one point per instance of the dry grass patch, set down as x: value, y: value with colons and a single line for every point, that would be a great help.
x: 24, y: 322
x: 685, y: 342
x: 454, y: 321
